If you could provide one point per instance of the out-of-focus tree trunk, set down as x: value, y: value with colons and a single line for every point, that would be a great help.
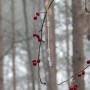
x: 1, y: 60
x: 78, y: 54
x: 28, y: 45
x: 13, y: 46
x: 52, y: 70
x: 88, y: 36
x: 67, y: 40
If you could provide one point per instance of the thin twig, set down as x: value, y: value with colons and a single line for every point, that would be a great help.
x: 73, y: 75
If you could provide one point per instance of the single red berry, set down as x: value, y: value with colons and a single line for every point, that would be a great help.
x: 83, y: 72
x: 34, y: 35
x: 35, y: 17
x: 34, y: 62
x: 79, y: 74
x: 38, y: 36
x: 70, y: 87
x: 37, y: 13
x: 38, y: 61
x: 88, y: 61
x: 39, y: 39
x: 74, y: 88
x: 76, y: 85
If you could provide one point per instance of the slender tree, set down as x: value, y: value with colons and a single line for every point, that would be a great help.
x: 1, y: 60
x: 28, y: 45
x: 88, y: 36
x: 78, y: 54
x: 13, y: 46
x: 67, y: 39
x: 51, y: 45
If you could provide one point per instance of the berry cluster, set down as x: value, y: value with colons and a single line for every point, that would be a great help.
x: 74, y: 87
x: 36, y: 16
x: 37, y: 36
x: 81, y: 73
x: 35, y: 62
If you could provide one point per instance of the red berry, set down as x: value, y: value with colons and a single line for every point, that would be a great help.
x: 70, y: 87
x: 38, y: 36
x: 35, y: 17
x: 37, y: 13
x: 88, y: 61
x: 76, y: 85
x: 74, y: 88
x: 34, y: 62
x: 83, y: 72
x: 34, y: 35
x: 79, y: 74
x: 39, y: 39
x: 38, y: 61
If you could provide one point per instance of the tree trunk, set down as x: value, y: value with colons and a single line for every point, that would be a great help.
x: 13, y: 47
x: 1, y: 60
x: 52, y: 70
x: 88, y: 36
x: 28, y: 45
x: 67, y: 40
x: 78, y: 54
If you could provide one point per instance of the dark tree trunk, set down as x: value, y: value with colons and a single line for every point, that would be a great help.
x: 78, y: 54
x: 1, y: 47
x: 13, y: 46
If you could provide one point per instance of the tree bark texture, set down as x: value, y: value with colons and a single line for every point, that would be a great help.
x: 52, y: 70
x: 13, y: 46
x: 78, y: 54
x: 28, y: 45
x: 1, y: 49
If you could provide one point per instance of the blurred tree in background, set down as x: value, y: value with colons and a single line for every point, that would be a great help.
x: 1, y: 50
x: 78, y: 54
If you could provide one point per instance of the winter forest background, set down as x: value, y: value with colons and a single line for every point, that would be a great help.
x: 69, y: 44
